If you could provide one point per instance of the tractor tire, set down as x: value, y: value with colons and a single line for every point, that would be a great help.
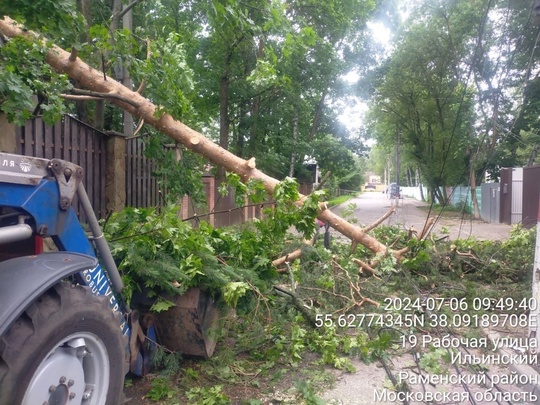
x: 67, y: 347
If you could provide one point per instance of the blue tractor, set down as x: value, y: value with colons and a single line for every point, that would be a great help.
x: 66, y: 335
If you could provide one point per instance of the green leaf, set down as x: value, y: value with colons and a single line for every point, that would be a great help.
x: 233, y: 291
x: 162, y: 305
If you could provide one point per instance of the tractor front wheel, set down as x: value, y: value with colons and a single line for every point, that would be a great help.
x: 67, y: 348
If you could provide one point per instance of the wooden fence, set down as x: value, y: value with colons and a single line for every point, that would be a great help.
x: 73, y: 140
x: 142, y: 188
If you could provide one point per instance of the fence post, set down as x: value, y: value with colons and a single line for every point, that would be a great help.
x: 8, y: 138
x: 535, y: 308
x: 115, y: 186
x: 210, y: 186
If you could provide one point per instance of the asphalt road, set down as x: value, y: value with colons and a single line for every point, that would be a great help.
x: 369, y: 207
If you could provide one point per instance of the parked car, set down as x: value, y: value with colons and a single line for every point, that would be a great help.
x: 394, y: 191
x: 370, y: 186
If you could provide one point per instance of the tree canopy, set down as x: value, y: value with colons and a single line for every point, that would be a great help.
x: 257, y: 77
x: 455, y: 88
x: 458, y: 87
x: 454, y: 97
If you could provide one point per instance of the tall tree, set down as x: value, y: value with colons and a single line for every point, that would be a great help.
x: 474, y: 62
x: 425, y: 96
x: 256, y: 76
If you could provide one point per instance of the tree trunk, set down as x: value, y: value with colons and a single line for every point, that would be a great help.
x: 142, y: 108
x: 444, y: 194
x: 420, y: 185
x: 294, y: 138
x: 84, y: 7
x: 128, y: 129
x: 242, y: 131
x: 317, y: 117
x: 99, y: 115
x: 472, y: 182
x: 255, y: 108
x: 534, y: 152
x: 223, y: 120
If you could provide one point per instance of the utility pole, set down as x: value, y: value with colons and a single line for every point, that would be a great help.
x: 126, y: 79
x: 398, y: 151
x: 535, y: 309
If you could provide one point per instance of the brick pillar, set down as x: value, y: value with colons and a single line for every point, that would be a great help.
x: 184, y: 202
x: 8, y: 139
x: 115, y: 186
x: 210, y: 188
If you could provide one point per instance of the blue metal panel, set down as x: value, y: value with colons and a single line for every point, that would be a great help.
x: 42, y: 203
x: 26, y: 186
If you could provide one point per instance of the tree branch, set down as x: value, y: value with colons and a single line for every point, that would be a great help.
x: 364, y: 266
x: 292, y: 256
x: 380, y: 220
x: 73, y: 55
x: 127, y: 9
x: 139, y: 127
x: 142, y: 85
x: 298, y: 303
x: 80, y: 98
x: 323, y: 180
x: 101, y: 96
x: 427, y: 228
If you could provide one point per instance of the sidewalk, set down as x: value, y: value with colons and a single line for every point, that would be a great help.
x: 458, y: 227
x: 371, y: 206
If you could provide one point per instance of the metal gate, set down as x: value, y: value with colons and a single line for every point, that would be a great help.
x: 517, y: 196
x: 490, y: 211
x: 531, y: 194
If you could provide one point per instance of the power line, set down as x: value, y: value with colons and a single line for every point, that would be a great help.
x: 497, y: 126
x: 462, y: 100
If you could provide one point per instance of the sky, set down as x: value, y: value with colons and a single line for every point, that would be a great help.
x: 354, y: 109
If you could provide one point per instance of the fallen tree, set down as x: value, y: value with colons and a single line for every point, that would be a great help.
x: 97, y: 85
